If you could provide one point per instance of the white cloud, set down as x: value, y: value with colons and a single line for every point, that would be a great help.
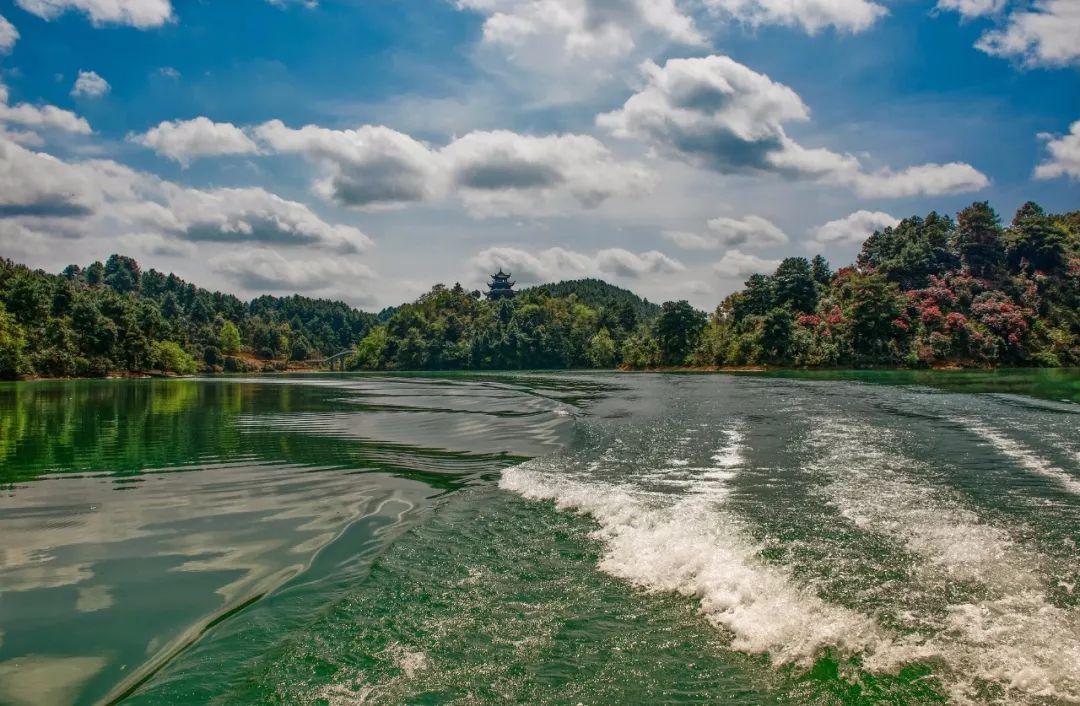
x: 8, y: 36
x: 852, y: 229
x: 688, y: 240
x: 811, y: 15
x: 103, y: 197
x: 493, y: 173
x: 263, y: 269
x: 370, y: 167
x: 89, y: 85
x: 539, y: 31
x: 156, y: 244
x: 716, y: 113
x: 712, y: 110
x: 750, y: 231
x: 1047, y: 34
x: 502, y: 172
x: 555, y: 264
x: 921, y: 180
x: 46, y: 117
x: 184, y: 140
x: 254, y: 214
x: 973, y: 8
x: 1064, y: 157
x: 736, y: 263
x: 137, y: 13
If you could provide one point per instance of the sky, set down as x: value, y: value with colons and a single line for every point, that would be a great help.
x: 366, y: 149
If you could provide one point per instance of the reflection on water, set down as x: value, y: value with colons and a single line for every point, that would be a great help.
x: 553, y: 538
x: 136, y: 513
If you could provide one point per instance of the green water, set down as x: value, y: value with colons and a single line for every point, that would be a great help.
x: 542, y: 538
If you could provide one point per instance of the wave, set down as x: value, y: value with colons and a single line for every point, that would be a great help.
x: 1024, y: 456
x: 1009, y: 633
x: 691, y: 548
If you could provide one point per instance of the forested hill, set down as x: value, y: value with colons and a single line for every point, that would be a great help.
x: 930, y: 291
x: 113, y: 317
x: 598, y: 294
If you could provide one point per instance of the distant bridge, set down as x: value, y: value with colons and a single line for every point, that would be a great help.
x: 336, y: 361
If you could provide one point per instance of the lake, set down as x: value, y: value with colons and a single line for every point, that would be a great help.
x: 822, y: 538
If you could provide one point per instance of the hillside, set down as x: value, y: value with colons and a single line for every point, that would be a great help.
x: 932, y: 291
x: 597, y: 294
x: 113, y: 318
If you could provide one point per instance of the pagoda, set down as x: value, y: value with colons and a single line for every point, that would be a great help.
x: 500, y: 286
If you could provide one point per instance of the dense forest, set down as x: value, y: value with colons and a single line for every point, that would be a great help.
x: 930, y: 291
x: 113, y: 318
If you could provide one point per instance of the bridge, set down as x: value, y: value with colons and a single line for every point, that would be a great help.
x: 336, y: 361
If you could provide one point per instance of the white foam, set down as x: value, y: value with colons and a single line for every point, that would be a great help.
x: 1024, y: 456
x: 1014, y: 637
x: 687, y: 546
x: 730, y: 454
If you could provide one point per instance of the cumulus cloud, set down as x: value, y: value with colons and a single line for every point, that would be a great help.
x: 555, y: 264
x: 89, y: 85
x: 750, y: 231
x: 185, y: 140
x: 972, y: 8
x: 142, y: 14
x: 1064, y: 159
x: 921, y: 180
x: 538, y: 31
x: 1046, y: 34
x: 37, y: 118
x: 104, y: 197
x: 717, y: 113
x: 810, y: 15
x: 502, y: 172
x: 736, y: 263
x: 254, y: 214
x: 712, y: 110
x: 688, y: 240
x: 8, y: 36
x: 493, y: 173
x: 264, y: 269
x: 369, y: 167
x: 852, y: 229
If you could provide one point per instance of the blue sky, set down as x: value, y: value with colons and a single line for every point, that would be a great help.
x: 365, y: 149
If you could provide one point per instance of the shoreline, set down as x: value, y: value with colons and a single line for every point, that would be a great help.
x: 726, y: 369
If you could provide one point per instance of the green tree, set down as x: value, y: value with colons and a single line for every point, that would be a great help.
x: 912, y: 251
x: 979, y: 241
x: 229, y: 338
x: 12, y: 346
x: 794, y: 286
x: 122, y: 273
x: 775, y: 339
x: 169, y: 357
x: 1036, y: 239
x: 677, y: 330
x: 819, y: 270
x: 602, y: 352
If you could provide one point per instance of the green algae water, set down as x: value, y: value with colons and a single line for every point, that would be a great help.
x: 542, y: 538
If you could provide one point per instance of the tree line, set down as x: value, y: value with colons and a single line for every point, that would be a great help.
x: 112, y: 317
x: 930, y: 291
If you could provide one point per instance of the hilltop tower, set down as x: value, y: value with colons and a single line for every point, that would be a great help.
x: 500, y: 286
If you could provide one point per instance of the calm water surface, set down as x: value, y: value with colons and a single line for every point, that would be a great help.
x: 544, y: 538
